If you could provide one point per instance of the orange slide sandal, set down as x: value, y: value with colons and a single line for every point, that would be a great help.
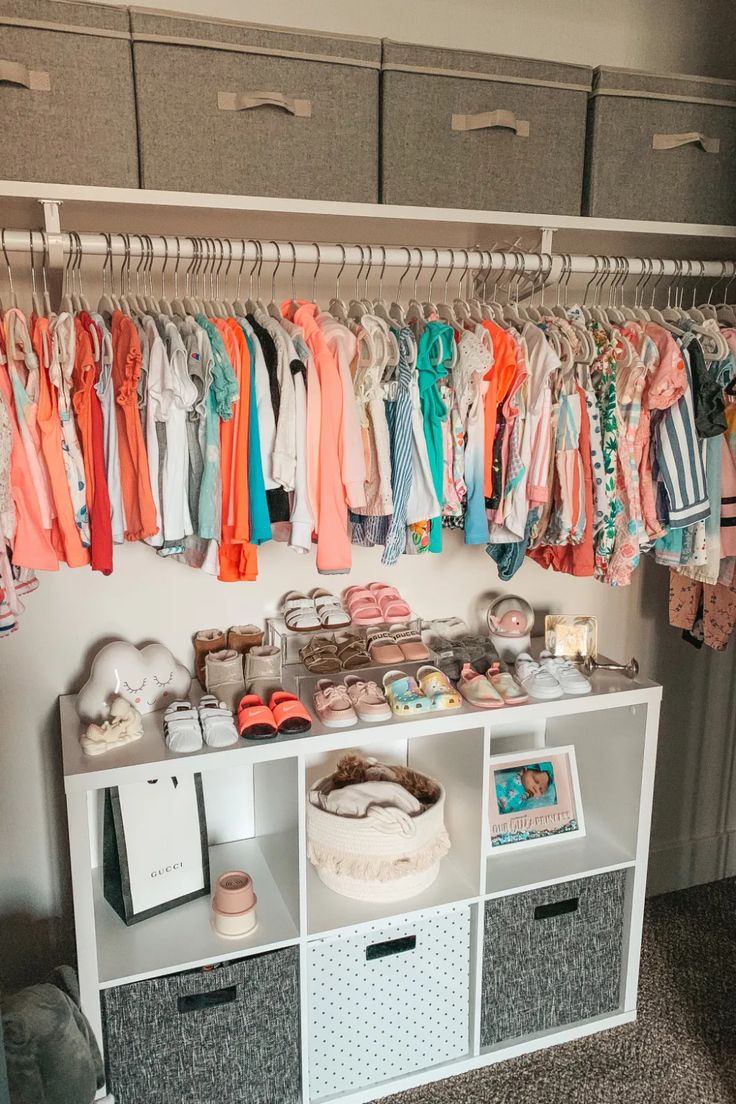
x: 290, y: 715
x: 255, y: 720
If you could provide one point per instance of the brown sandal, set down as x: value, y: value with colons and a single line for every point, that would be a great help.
x: 351, y: 652
x: 320, y: 655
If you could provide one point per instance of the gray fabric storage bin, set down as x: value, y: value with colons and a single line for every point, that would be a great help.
x: 691, y: 177
x: 228, y: 1035
x: 66, y: 94
x: 428, y: 94
x: 209, y: 114
x: 552, y: 956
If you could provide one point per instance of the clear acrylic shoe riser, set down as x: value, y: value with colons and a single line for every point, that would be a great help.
x: 291, y: 642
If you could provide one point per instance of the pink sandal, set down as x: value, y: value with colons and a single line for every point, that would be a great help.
x: 384, y: 648
x: 393, y: 607
x: 411, y: 644
x: 362, y: 606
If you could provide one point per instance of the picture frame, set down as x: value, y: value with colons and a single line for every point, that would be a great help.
x: 571, y: 636
x: 155, y: 853
x: 526, y: 810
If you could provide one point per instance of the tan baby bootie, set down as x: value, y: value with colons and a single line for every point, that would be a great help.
x: 263, y: 670
x: 244, y: 637
x: 224, y: 677
x: 206, y: 641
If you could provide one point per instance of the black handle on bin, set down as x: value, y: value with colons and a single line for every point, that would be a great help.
x: 200, y: 1002
x: 556, y: 908
x: 391, y: 947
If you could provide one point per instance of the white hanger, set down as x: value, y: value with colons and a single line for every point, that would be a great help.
x: 492, y: 310
x: 707, y: 309
x: 274, y: 310
x: 210, y: 308
x: 251, y: 304
x: 37, y: 304
x: 190, y: 305
x: 337, y: 307
x: 396, y: 311
x: 724, y: 311
x: 66, y: 305
x: 292, y: 301
x: 238, y: 305
x: 356, y: 306
x: 510, y: 314
x: 176, y: 307
x: 428, y: 306
x: 227, y: 303
x: 164, y: 306
x: 415, y: 311
x: 13, y: 296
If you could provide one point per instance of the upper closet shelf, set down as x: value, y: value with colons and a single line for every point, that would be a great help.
x: 137, y: 210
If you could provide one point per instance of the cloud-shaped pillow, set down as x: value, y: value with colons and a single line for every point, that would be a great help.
x: 149, y: 678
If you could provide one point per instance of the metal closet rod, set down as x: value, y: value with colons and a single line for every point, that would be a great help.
x: 214, y: 250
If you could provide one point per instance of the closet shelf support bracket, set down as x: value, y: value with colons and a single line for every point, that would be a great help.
x: 546, y: 239
x: 52, y: 226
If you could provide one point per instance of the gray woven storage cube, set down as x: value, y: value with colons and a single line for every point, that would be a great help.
x: 228, y: 1035
x: 66, y: 94
x: 661, y: 148
x: 232, y: 107
x: 464, y: 129
x: 552, y: 956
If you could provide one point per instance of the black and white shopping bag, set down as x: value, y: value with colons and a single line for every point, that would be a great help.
x: 155, y: 846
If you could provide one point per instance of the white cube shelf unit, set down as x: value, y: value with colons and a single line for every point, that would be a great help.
x: 255, y: 799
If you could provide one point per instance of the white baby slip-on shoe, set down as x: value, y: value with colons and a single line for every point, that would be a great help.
x: 536, y: 680
x: 570, y: 679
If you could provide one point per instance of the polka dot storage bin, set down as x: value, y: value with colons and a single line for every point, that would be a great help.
x: 388, y: 999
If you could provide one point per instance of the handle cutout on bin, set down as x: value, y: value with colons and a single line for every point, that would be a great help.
x: 199, y: 1002
x: 491, y: 120
x: 556, y: 908
x: 248, y: 101
x: 15, y: 72
x: 692, y: 137
x: 390, y: 947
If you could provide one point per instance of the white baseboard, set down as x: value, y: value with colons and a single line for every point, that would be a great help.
x: 691, y: 862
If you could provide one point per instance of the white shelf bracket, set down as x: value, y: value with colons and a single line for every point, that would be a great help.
x: 52, y: 226
x: 546, y: 239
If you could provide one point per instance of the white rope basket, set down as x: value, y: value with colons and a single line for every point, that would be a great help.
x: 386, y: 855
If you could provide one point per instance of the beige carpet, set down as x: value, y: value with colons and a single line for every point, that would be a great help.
x: 681, y: 1050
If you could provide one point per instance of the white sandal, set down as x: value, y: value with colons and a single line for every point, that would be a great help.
x: 300, y: 613
x: 330, y: 610
x: 217, y: 722
x: 182, y: 729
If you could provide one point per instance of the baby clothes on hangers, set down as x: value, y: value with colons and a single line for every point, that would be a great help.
x: 23, y: 370
x: 89, y: 423
x: 71, y: 549
x: 370, y: 523
x: 106, y: 395
x: 140, y: 511
x: 475, y: 359
x: 399, y: 418
x: 433, y: 357
x: 706, y: 613
x: 284, y: 449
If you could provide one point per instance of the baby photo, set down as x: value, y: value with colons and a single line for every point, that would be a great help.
x: 533, y: 800
x: 531, y: 786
